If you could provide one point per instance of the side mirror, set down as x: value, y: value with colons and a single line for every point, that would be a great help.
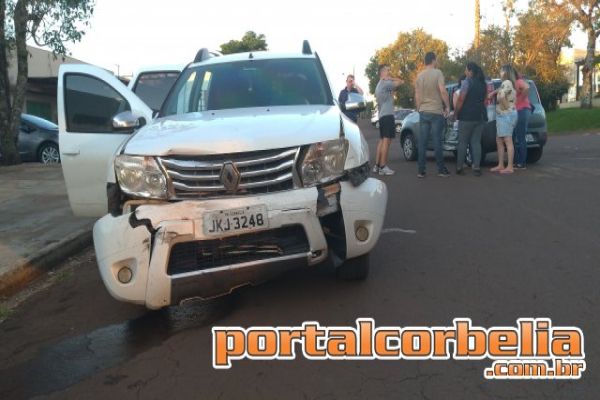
x: 125, y: 121
x: 355, y: 102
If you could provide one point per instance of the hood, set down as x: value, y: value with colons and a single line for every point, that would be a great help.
x: 239, y: 130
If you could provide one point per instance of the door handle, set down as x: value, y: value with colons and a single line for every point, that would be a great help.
x: 70, y: 153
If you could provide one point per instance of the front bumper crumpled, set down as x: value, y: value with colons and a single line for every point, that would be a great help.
x: 143, y: 241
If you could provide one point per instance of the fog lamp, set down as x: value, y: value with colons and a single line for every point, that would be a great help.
x: 362, y: 233
x: 125, y: 275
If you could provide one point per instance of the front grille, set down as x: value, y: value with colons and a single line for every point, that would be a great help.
x: 268, y: 171
x: 207, y: 254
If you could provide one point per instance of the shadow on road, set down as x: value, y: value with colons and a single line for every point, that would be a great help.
x: 65, y: 363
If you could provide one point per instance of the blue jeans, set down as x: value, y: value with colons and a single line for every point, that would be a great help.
x: 431, y: 124
x: 519, y: 136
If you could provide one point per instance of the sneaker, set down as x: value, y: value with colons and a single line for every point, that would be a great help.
x: 520, y: 166
x: 385, y: 170
x: 444, y: 173
x: 375, y: 169
x: 477, y: 172
x: 460, y: 171
x: 421, y: 175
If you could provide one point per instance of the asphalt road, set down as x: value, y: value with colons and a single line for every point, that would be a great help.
x: 494, y: 248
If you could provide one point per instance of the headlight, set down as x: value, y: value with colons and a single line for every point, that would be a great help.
x: 324, y: 162
x: 140, y: 176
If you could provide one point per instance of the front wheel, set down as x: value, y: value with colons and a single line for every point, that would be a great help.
x: 355, y: 269
x: 409, y: 147
x: 48, y: 154
x: 534, y: 154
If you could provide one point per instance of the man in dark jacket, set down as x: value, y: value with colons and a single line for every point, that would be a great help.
x: 351, y: 87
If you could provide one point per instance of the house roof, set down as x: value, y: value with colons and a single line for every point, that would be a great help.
x: 41, y: 64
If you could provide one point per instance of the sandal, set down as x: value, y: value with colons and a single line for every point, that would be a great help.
x: 507, y: 171
x: 497, y: 169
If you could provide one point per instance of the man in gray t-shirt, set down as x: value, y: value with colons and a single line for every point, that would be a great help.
x: 387, y: 123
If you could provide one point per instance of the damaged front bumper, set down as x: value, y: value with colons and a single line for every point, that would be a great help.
x: 168, y: 257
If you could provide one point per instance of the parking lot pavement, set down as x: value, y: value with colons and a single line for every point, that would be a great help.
x: 494, y: 249
x: 34, y: 212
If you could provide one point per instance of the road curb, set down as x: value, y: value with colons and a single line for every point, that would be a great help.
x: 25, y: 271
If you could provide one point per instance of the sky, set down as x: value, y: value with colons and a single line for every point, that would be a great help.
x: 125, y: 35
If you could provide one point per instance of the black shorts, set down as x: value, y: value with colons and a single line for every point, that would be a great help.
x: 387, y: 127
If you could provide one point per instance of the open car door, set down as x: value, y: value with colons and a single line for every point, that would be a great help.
x: 88, y: 99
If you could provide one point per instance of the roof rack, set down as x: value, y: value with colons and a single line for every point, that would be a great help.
x: 204, y: 54
x: 306, y: 47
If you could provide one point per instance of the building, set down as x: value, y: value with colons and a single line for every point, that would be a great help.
x: 40, y: 98
x: 573, y: 60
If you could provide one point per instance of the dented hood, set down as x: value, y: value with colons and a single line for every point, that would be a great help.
x: 239, y: 130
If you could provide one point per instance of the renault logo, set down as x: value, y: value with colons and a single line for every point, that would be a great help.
x: 230, y: 177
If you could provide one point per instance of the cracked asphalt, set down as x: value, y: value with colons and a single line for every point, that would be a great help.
x: 494, y: 249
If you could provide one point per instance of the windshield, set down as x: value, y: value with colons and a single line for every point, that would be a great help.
x: 39, y: 122
x: 251, y: 83
x: 534, y: 98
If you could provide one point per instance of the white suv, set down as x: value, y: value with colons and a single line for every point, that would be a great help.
x: 248, y: 169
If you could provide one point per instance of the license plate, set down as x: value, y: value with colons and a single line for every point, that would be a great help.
x: 529, y: 138
x: 238, y: 220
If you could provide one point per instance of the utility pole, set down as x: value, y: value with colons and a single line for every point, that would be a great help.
x: 509, y: 9
x: 477, y: 25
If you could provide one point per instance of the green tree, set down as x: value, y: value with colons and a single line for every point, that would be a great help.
x: 495, y: 50
x: 586, y: 14
x: 406, y: 56
x: 49, y: 23
x: 372, y: 73
x: 543, y: 31
x: 249, y: 42
x: 454, y: 68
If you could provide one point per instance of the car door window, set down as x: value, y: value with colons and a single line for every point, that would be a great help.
x: 91, y: 104
x: 152, y: 87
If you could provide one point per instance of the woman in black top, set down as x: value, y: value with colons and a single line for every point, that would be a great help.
x: 470, y: 112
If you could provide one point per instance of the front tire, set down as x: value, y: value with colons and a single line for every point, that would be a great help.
x: 534, y: 155
x: 409, y: 147
x: 49, y: 154
x: 355, y: 269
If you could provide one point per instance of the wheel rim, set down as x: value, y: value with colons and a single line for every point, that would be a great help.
x: 398, y: 128
x: 50, y: 155
x: 408, y: 147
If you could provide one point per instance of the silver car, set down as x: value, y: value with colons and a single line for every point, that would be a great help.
x: 536, y: 131
x: 38, y: 140
x: 399, y: 116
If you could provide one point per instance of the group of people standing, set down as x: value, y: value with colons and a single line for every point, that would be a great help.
x: 513, y: 110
